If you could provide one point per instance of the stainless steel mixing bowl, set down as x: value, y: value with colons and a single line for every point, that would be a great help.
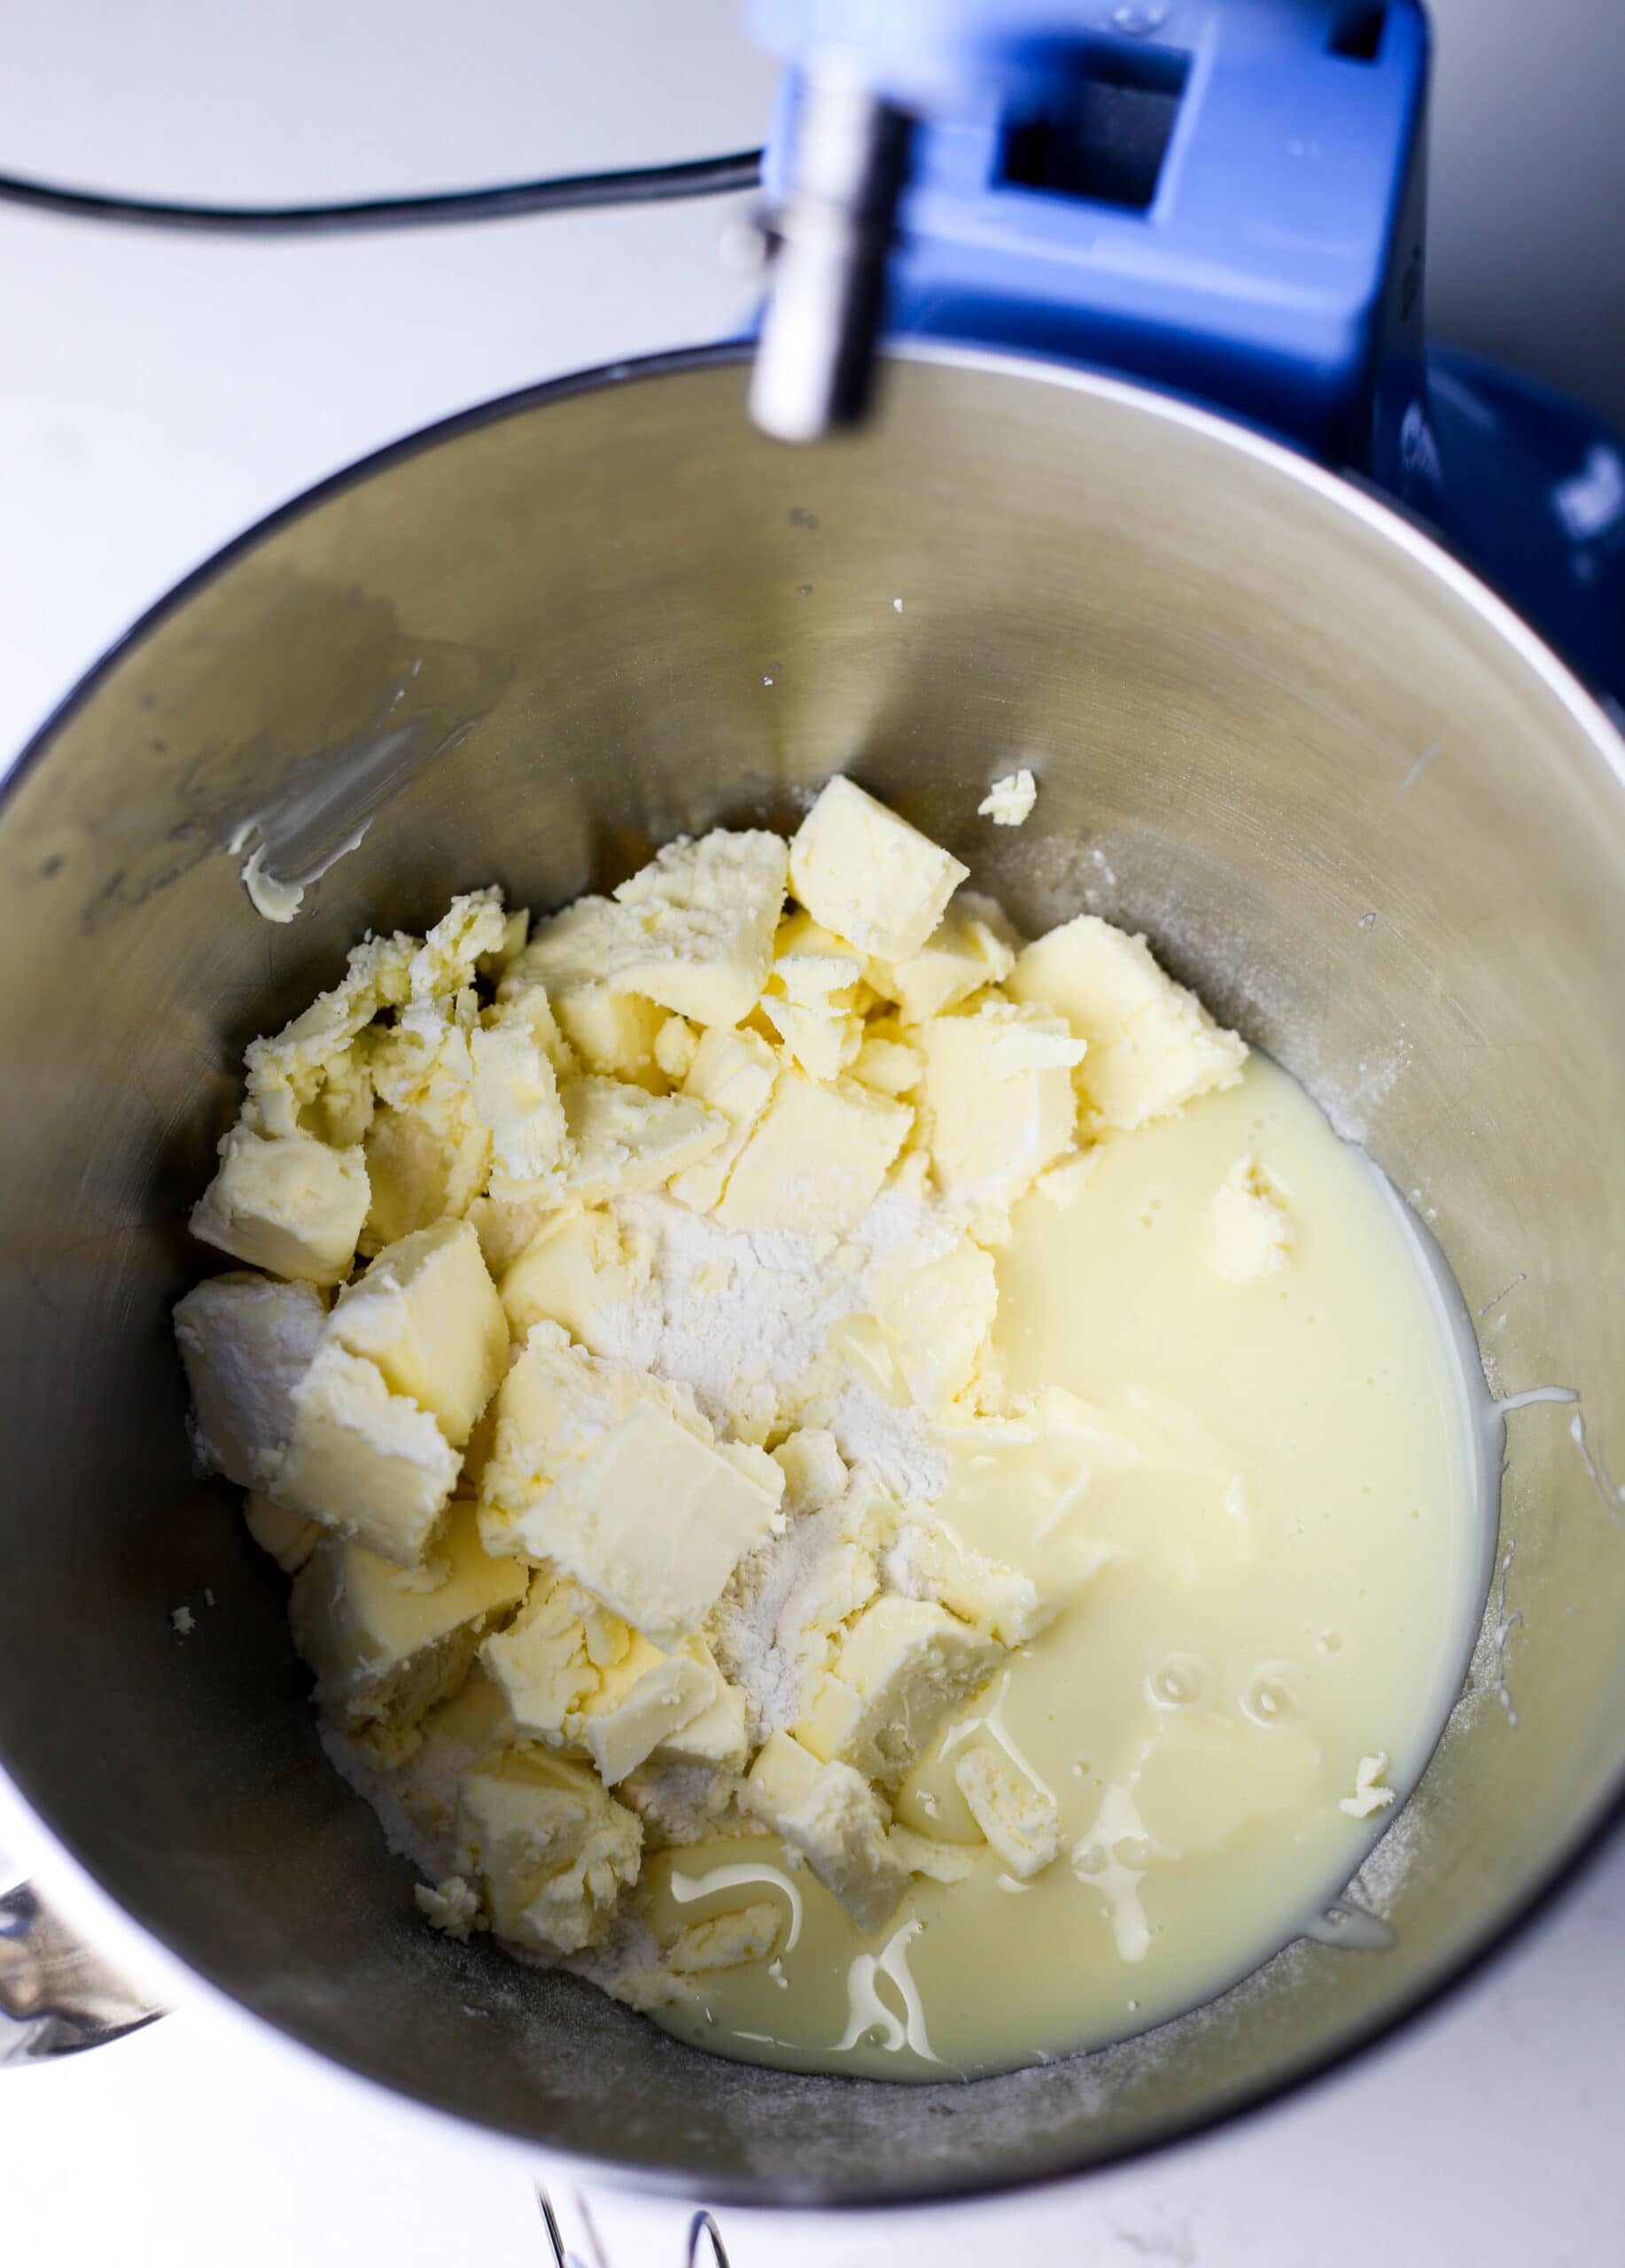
x: 1345, y: 792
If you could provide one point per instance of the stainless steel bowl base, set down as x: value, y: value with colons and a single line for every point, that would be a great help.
x: 1343, y: 792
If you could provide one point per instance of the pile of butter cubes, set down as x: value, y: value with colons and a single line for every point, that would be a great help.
x: 495, y: 1530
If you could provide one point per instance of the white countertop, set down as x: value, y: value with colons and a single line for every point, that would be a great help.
x: 156, y: 393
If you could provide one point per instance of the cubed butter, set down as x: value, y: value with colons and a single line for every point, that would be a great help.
x: 716, y: 1734
x: 820, y: 1038
x: 994, y: 1597
x: 285, y: 1070
x: 830, y: 1815
x: 421, y: 1169
x: 868, y: 875
x: 966, y: 951
x: 645, y: 1697
x: 553, y: 1656
x: 505, y: 1229
x: 471, y: 927
x: 623, y: 1139
x: 578, y: 1265
x: 551, y: 1849
x: 427, y: 1313
x: 292, y: 1206
x: 903, y: 1669
x: 363, y: 1460
x: 937, y: 1861
x: 245, y: 1342
x: 998, y: 1099
x: 938, y: 1319
x: 573, y: 955
x: 733, y: 1073
x: 1153, y: 1047
x: 1018, y: 1820
x: 701, y: 921
x: 1252, y: 1229
x: 617, y: 1478
x: 516, y: 1096
x: 288, y: 1537
x: 816, y: 1158
x: 385, y: 1652
x: 726, y: 1940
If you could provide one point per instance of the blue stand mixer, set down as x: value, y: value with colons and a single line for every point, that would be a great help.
x: 1224, y: 199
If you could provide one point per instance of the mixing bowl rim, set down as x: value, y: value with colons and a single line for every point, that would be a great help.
x: 1567, y: 1865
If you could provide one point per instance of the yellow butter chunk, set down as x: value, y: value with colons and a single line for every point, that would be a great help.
x: 700, y: 923
x: 363, y: 1460
x: 516, y: 1098
x: 1000, y: 1600
x: 385, y: 1652
x: 289, y: 1205
x: 888, y: 1062
x: 938, y: 1319
x: 428, y: 1154
x: 1153, y: 1047
x: 471, y: 927
x: 820, y: 1038
x: 676, y: 1043
x: 574, y: 1675
x: 733, y: 1073
x: 571, y: 957
x: 286, y: 1070
x: 646, y: 1698
x: 427, y: 1313
x: 970, y: 948
x: 716, y: 1734
x: 1009, y: 801
x: 623, y: 1139
x: 1018, y: 1820
x: 868, y: 875
x: 578, y: 1263
x: 830, y: 1815
x: 748, y: 1933
x: 904, y: 1668
x: 288, y: 1537
x: 245, y: 1342
x: 505, y: 1227
x: 617, y: 1478
x: 998, y: 1099
x: 1252, y: 1229
x: 552, y: 1852
x: 938, y: 1861
x: 451, y: 1906
x: 815, y: 1158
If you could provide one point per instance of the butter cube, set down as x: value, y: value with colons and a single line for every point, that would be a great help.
x: 289, y: 1537
x: 427, y: 1313
x: 245, y: 1341
x: 726, y: 1940
x: 644, y: 1698
x: 494, y: 964
x: 866, y: 873
x: 421, y: 1169
x: 822, y: 1040
x: 286, y: 1070
x: 813, y: 1468
x: 1252, y: 1229
x: 716, y: 1734
x: 363, y: 1460
x: 1153, y: 1047
x: 515, y: 1095
x: 505, y: 1229
x: 577, y: 1264
x: 572, y: 956
x: 998, y: 1099
x: 934, y: 1565
x: 676, y: 1043
x: 733, y: 1073
x: 887, y: 1061
x: 385, y: 1652
x: 471, y: 928
x: 617, y: 1478
x: 904, y: 1668
x: 1009, y: 801
x: 552, y: 1656
x: 816, y: 1158
x: 451, y: 1906
x: 832, y: 1816
x: 967, y: 949
x: 624, y: 1139
x: 551, y: 1849
x: 938, y: 1861
x: 937, y: 1319
x: 810, y: 963
x: 1018, y: 1819
x: 290, y: 1206
x: 702, y: 914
